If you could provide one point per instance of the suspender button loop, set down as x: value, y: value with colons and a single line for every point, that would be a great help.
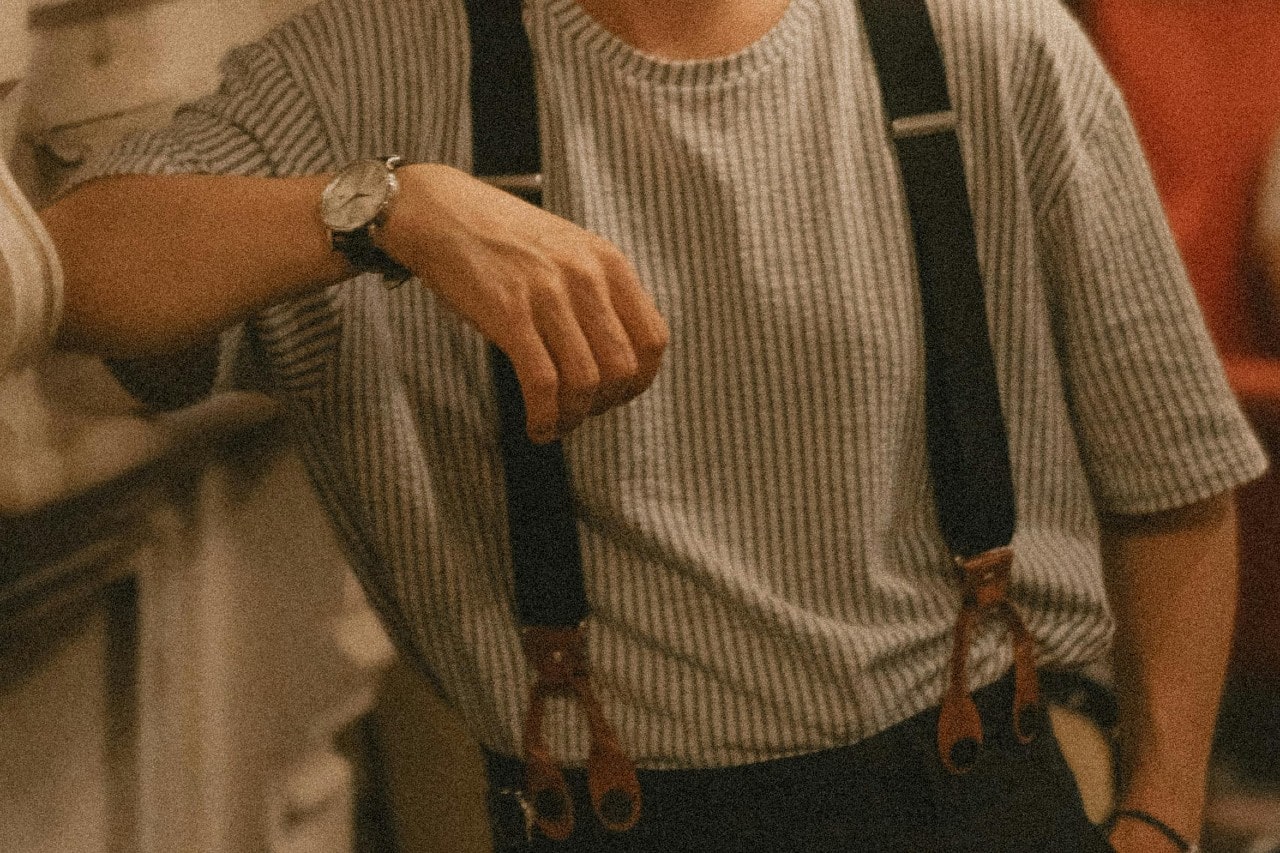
x: 559, y: 660
x: 985, y: 580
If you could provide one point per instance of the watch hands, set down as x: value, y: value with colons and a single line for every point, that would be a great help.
x: 350, y: 199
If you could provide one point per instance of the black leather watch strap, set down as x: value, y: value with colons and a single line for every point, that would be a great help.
x: 363, y: 254
x: 357, y: 244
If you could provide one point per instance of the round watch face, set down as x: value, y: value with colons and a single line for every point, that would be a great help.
x: 356, y: 195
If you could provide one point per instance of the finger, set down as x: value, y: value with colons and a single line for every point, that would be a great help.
x: 579, y: 376
x: 539, y: 381
x: 644, y: 325
x: 610, y: 344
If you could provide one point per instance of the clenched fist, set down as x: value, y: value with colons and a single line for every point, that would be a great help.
x: 562, y: 303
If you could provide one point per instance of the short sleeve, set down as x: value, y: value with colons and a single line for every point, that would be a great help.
x: 1157, y: 425
x: 260, y: 121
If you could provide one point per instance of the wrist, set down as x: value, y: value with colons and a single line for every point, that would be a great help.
x: 354, y: 207
x: 412, y: 220
x: 1130, y: 828
x: 310, y: 260
x: 1172, y: 792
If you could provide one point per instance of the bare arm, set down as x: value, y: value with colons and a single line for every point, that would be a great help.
x: 1173, y: 579
x: 157, y: 263
x: 1269, y: 248
x: 154, y: 264
x: 1266, y: 231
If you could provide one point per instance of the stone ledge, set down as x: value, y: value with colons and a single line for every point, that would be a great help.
x: 66, y: 543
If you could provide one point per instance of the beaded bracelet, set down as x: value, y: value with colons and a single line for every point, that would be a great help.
x: 1175, y: 837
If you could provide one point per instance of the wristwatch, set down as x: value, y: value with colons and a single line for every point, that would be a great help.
x: 353, y: 206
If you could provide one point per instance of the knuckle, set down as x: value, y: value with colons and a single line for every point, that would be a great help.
x: 512, y: 305
x: 619, y: 366
x: 612, y: 257
x: 653, y: 341
x: 542, y: 383
x: 581, y: 378
x: 585, y: 267
x: 549, y: 293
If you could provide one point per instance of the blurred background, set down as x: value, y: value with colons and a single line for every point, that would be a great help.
x: 186, y: 663
x: 1202, y: 80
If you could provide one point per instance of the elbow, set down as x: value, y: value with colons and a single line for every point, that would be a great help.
x: 105, y: 317
x: 91, y: 327
x: 108, y: 304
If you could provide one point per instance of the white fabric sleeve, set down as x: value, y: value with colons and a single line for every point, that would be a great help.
x: 30, y: 280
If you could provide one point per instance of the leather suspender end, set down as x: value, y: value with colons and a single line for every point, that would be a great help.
x: 985, y: 580
x: 558, y: 658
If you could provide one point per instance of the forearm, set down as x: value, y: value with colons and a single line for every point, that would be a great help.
x: 156, y: 263
x: 1173, y: 585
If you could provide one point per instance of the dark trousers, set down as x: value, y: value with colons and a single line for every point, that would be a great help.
x: 887, y: 794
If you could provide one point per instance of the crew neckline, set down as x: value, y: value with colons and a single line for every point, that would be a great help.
x: 595, y: 41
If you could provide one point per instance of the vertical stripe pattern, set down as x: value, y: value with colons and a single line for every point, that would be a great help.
x: 761, y: 554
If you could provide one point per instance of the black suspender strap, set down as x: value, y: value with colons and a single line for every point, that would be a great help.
x: 547, y: 559
x: 968, y: 448
x: 967, y: 441
x: 504, y: 144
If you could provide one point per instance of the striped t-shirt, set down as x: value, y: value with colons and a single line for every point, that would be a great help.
x: 761, y: 554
